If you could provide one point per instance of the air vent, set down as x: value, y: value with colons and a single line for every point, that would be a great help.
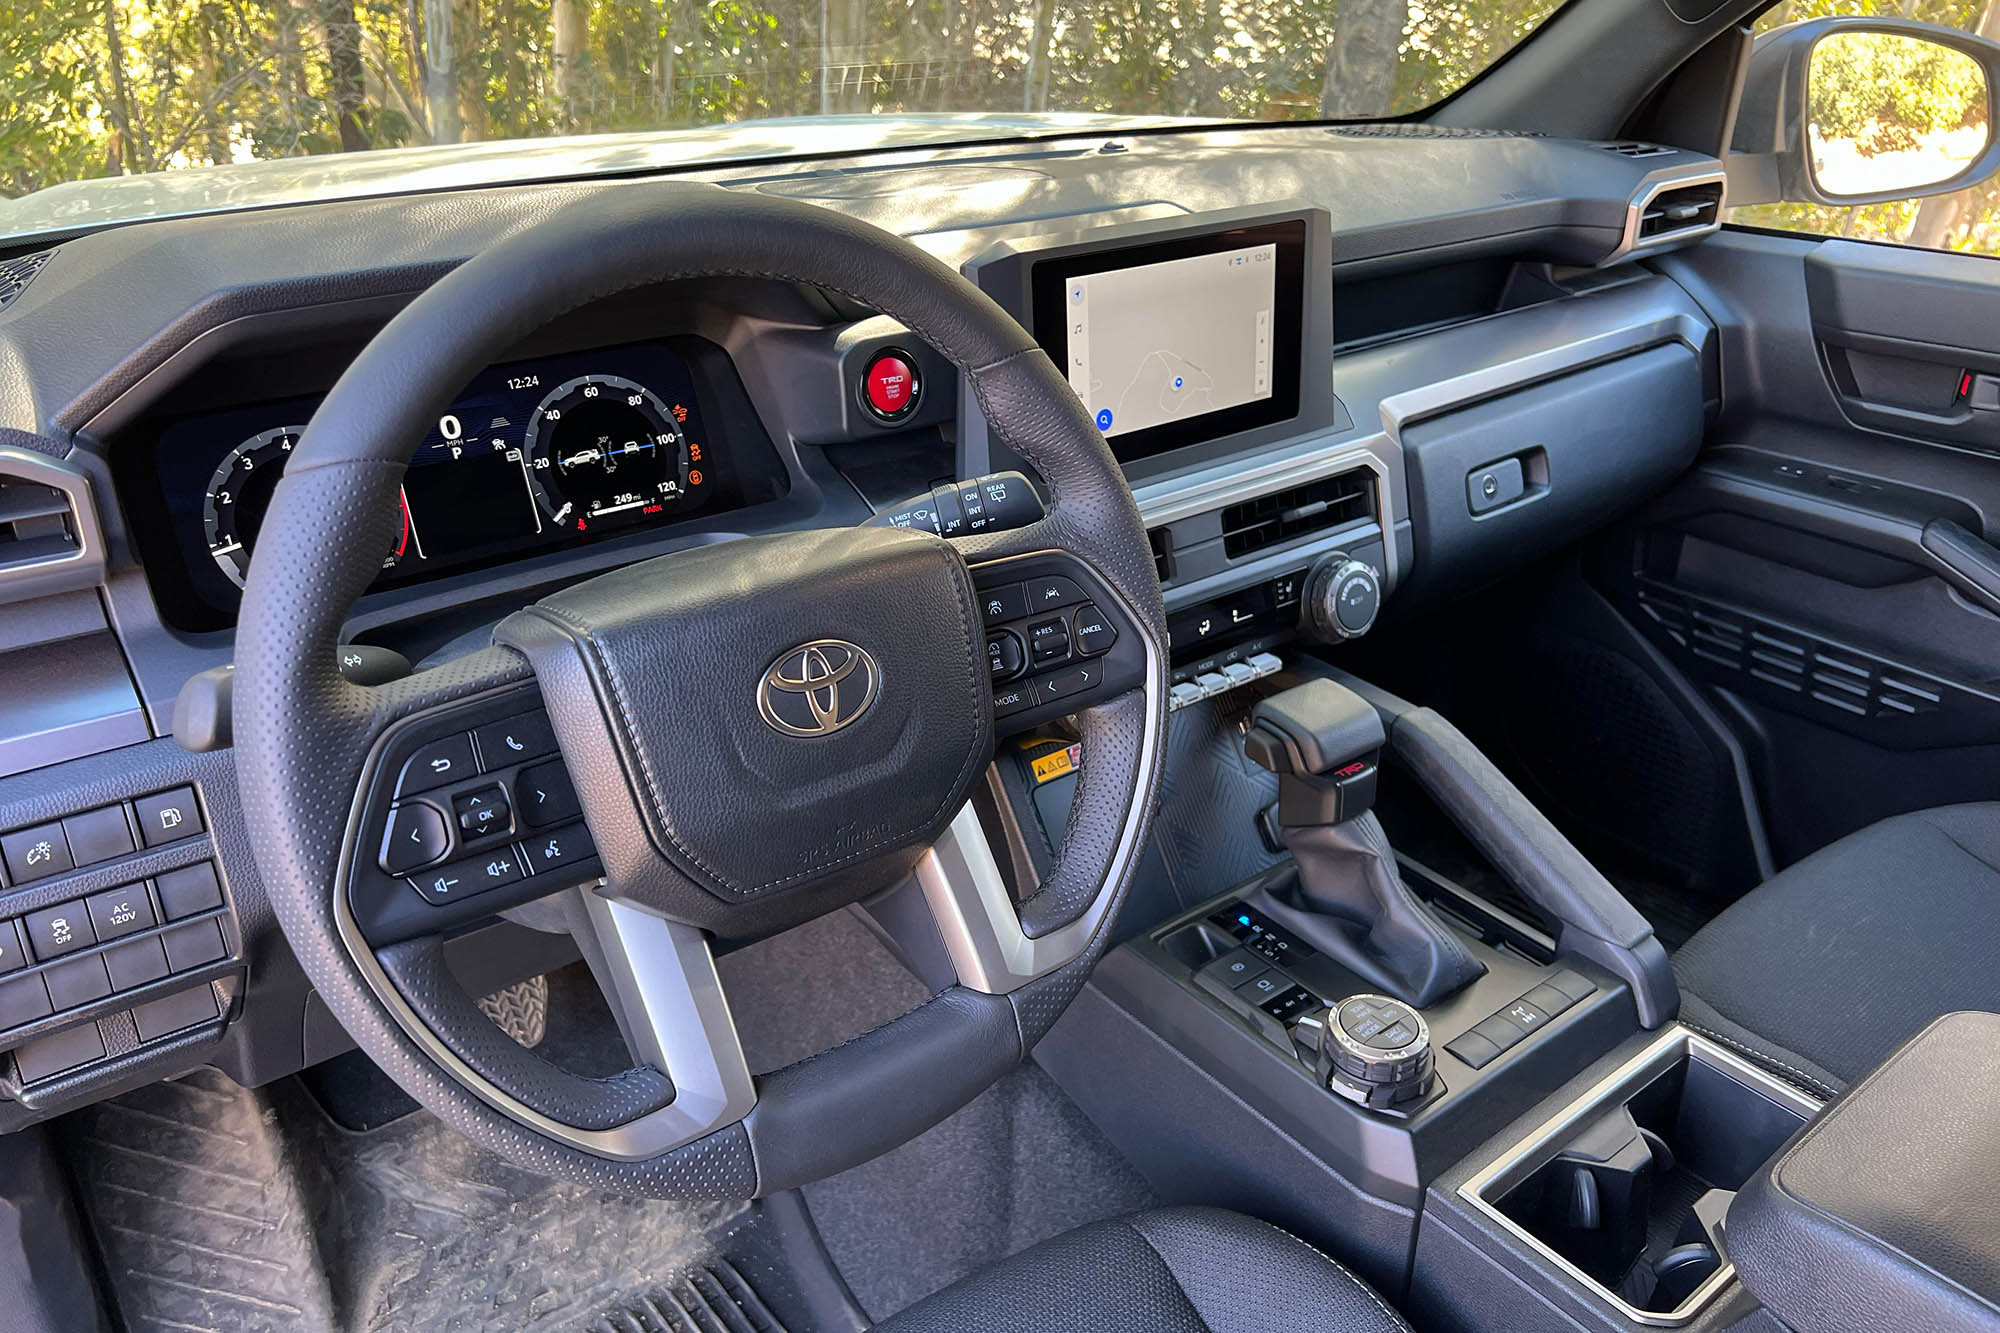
x: 1683, y: 208
x: 1411, y: 129
x: 1162, y: 541
x: 18, y: 272
x: 48, y: 533
x: 1296, y: 512
x: 1633, y: 148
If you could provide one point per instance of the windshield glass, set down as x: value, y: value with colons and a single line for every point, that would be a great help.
x: 116, y: 88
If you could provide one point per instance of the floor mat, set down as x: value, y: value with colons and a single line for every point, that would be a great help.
x: 219, y: 1207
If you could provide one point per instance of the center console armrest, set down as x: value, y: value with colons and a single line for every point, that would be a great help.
x: 1883, y: 1215
x: 1531, y: 852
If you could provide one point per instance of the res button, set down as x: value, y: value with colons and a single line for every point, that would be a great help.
x: 891, y: 387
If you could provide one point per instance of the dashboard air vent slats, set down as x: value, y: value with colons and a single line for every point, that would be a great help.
x: 1162, y: 542
x: 49, y: 538
x: 1295, y: 512
x: 1686, y: 208
x: 1633, y: 148
x: 18, y: 272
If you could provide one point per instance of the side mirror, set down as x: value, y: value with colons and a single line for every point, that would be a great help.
x: 1864, y: 111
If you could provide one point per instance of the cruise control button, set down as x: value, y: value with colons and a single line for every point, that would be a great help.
x: 168, y: 817
x: 1072, y: 680
x: 1009, y: 601
x: 557, y: 848
x: 515, y: 740
x: 1005, y: 657
x: 483, y: 813
x: 439, y: 762
x: 1094, y: 633
x: 1046, y: 594
x: 34, y: 852
x: 189, y: 891
x: 416, y: 837
x: 121, y: 912
x: 462, y: 879
x: 55, y: 931
x: 546, y: 795
x: 1048, y: 642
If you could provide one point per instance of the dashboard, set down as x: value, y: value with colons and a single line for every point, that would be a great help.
x: 535, y: 455
x: 1300, y: 343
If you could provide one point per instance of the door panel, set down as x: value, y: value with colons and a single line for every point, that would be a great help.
x: 1825, y: 574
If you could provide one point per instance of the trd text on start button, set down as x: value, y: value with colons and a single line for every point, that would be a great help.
x: 890, y: 386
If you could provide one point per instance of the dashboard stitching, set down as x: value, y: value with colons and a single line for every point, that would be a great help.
x: 588, y: 642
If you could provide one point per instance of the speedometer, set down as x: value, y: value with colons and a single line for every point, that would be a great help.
x: 603, y: 450
x: 240, y: 491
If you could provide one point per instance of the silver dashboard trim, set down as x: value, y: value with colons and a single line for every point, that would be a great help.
x: 82, y: 567
x: 1527, y: 1156
x: 1677, y: 178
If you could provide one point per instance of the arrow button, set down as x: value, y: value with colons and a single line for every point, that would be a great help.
x: 545, y: 795
x: 416, y: 837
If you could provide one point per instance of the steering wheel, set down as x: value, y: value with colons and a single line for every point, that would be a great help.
x: 745, y: 736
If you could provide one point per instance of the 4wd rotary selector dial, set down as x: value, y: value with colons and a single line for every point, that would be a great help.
x: 1376, y: 1051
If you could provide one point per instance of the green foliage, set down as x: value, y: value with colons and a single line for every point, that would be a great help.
x: 102, y: 87
x: 1864, y: 82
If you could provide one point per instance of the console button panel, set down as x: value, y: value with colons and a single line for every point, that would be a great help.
x: 1485, y: 1041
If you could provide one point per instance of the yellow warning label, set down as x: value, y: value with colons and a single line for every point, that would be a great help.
x: 1062, y: 762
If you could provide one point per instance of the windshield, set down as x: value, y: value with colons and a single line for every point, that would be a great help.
x: 114, y: 88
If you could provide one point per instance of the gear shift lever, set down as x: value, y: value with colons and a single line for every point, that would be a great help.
x: 1349, y: 900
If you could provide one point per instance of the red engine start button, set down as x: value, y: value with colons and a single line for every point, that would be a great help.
x: 890, y: 386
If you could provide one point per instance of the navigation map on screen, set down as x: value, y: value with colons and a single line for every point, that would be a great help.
x: 1164, y: 342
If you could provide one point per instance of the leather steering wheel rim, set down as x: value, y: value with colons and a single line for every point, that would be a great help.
x: 304, y: 732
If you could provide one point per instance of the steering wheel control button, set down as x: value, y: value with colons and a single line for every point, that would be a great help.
x: 1023, y: 696
x: 440, y: 762
x: 515, y: 740
x: 483, y: 813
x: 1005, y: 657
x: 1009, y: 601
x: 1071, y: 680
x: 1291, y: 1004
x: 462, y: 879
x: 1049, y: 593
x: 416, y: 837
x: 1094, y: 634
x: 35, y: 852
x: 1048, y: 642
x: 121, y: 912
x: 98, y: 835
x: 168, y: 817
x: 556, y: 849
x: 891, y: 387
x: 1236, y: 966
x: 193, y: 944
x: 1264, y: 986
x: 189, y: 891
x: 55, y: 931
x: 546, y: 795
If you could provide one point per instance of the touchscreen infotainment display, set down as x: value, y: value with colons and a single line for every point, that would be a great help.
x: 1179, y: 341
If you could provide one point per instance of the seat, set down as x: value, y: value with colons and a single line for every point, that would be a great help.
x: 1826, y: 968
x: 1171, y: 1270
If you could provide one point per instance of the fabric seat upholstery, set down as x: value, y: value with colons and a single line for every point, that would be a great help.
x: 1826, y: 968
x: 1171, y: 1270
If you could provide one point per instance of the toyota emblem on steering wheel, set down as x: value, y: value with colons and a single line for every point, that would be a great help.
x: 816, y: 688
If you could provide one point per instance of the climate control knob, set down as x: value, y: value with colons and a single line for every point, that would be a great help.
x: 1342, y: 597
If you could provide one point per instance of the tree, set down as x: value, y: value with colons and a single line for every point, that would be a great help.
x: 1362, y: 59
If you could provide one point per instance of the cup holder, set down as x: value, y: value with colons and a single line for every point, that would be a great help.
x: 1626, y: 1188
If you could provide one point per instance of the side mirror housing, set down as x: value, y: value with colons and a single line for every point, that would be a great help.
x: 1844, y: 111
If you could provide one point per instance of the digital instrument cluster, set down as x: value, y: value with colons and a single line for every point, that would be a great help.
x: 535, y: 455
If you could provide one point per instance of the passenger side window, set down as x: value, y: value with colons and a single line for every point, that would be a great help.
x: 1890, y: 113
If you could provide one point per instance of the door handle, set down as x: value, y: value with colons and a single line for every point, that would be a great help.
x: 1966, y: 560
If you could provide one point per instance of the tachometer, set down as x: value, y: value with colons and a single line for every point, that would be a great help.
x: 240, y: 491
x: 603, y: 450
